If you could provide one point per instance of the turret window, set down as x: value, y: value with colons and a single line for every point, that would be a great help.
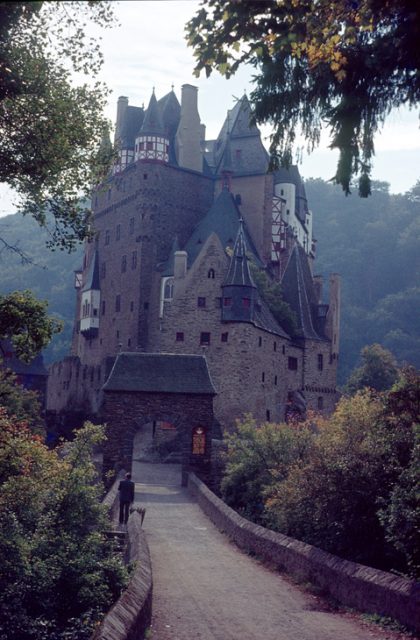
x: 246, y: 303
x: 227, y: 302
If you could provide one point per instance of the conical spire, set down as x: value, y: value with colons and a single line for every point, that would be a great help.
x: 152, y: 123
x: 239, y: 273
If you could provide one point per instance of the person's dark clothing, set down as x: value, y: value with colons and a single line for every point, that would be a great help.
x: 126, y: 489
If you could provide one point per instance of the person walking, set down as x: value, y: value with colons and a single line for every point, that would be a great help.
x: 126, y: 489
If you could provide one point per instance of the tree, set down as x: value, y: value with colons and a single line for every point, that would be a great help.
x: 58, y: 574
x: 378, y: 370
x: 19, y: 402
x: 343, y: 64
x: 50, y: 128
x: 23, y: 320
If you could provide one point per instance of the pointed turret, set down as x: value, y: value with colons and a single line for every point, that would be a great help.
x: 152, y: 142
x: 239, y: 290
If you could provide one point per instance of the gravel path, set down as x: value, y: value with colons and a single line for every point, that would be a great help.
x: 205, y: 588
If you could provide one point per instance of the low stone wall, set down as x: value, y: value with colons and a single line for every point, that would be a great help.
x: 352, y: 584
x: 130, y: 616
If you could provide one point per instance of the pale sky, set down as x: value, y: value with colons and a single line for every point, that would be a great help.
x: 148, y: 50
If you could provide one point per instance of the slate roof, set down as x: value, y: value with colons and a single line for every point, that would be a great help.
x: 264, y: 319
x: 222, y: 219
x: 239, y: 273
x: 92, y: 279
x: 133, y: 119
x: 299, y: 293
x: 160, y: 372
x: 152, y: 123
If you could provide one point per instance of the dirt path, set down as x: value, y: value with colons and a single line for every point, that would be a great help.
x: 205, y: 588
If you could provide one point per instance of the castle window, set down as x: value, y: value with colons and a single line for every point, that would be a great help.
x: 227, y: 302
x: 320, y: 362
x: 260, y: 341
x: 204, y: 338
x: 146, y: 306
x: 123, y: 264
x: 201, y: 302
x: 149, y: 145
x: 267, y: 415
x: 141, y: 146
x: 131, y: 306
x: 118, y: 232
x: 107, y: 236
x: 134, y: 260
x: 282, y: 192
x: 131, y: 226
x: 292, y: 363
x: 144, y: 176
x: 103, y: 307
x: 275, y: 381
x: 168, y: 292
x: 118, y: 334
x: 224, y: 337
x: 263, y: 377
x: 129, y: 342
x: 246, y: 303
x: 103, y: 270
x: 274, y: 346
x: 283, y: 349
x: 211, y: 274
x: 118, y: 303
x: 320, y: 402
x: 179, y: 336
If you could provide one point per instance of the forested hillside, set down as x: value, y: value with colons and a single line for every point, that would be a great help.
x: 373, y: 243
x: 49, y: 274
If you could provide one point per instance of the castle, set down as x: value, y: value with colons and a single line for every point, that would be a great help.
x: 189, y: 234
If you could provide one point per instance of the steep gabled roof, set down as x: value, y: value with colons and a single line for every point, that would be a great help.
x: 92, y: 278
x: 222, y: 219
x: 170, y: 111
x: 152, y: 123
x: 299, y: 293
x: 133, y: 119
x: 160, y: 373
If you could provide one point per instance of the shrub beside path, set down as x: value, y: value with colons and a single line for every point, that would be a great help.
x: 205, y: 588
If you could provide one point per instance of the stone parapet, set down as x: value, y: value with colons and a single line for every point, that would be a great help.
x: 354, y: 585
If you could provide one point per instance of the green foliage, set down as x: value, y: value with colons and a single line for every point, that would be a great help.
x: 378, y: 370
x: 58, y: 574
x: 343, y: 65
x: 58, y: 124
x: 375, y: 246
x: 347, y: 484
x: 19, y: 402
x: 271, y: 293
x: 24, y: 321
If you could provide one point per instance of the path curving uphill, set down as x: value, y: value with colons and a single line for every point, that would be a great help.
x: 205, y: 588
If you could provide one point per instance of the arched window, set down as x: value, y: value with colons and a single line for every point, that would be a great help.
x: 211, y: 274
x: 168, y: 292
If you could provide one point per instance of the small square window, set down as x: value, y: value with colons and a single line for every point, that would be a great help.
x: 227, y: 302
x: 201, y: 302
x: 224, y: 337
x: 180, y: 336
x: 292, y: 363
x: 205, y: 338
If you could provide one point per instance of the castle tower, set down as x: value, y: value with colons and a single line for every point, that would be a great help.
x: 239, y: 290
x: 152, y: 142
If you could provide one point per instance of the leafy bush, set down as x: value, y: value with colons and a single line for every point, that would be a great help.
x: 58, y: 573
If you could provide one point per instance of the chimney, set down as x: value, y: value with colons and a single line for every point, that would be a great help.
x: 318, y: 283
x: 180, y: 264
x: 189, y: 133
x: 122, y: 105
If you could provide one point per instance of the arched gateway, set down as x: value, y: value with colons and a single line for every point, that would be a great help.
x: 143, y: 387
